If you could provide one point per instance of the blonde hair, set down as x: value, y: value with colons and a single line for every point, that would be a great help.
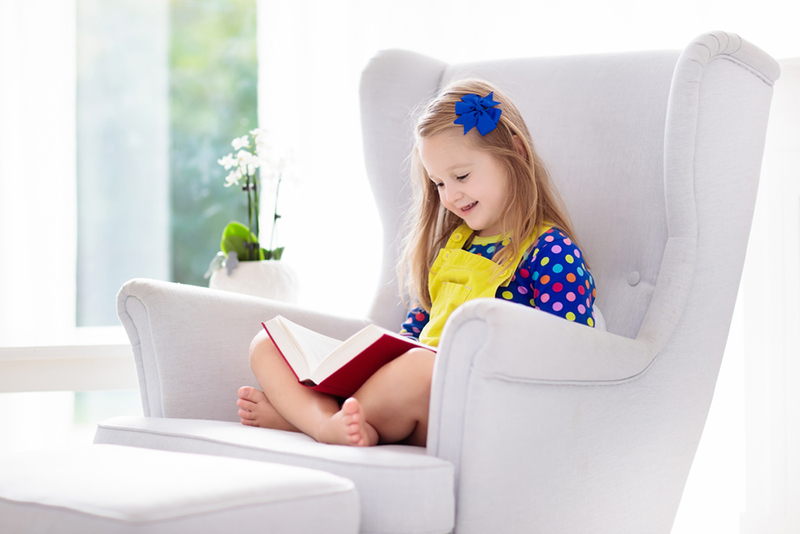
x: 532, y: 200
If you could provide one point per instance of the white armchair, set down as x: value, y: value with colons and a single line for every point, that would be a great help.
x: 536, y: 424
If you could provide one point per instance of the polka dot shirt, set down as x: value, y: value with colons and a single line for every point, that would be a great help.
x: 551, y: 277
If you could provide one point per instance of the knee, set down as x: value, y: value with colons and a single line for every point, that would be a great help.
x: 416, y: 366
x: 261, y: 347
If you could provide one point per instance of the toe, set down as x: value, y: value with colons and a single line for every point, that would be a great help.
x: 246, y: 404
x: 350, y: 406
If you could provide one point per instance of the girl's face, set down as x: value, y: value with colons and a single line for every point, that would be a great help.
x: 471, y: 182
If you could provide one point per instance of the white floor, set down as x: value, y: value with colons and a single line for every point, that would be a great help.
x: 42, y: 420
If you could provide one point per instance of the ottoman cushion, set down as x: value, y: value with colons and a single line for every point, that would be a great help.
x: 117, y: 489
x: 401, y: 489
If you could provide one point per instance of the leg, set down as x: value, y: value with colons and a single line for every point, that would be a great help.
x: 311, y: 412
x: 256, y: 410
x: 396, y: 399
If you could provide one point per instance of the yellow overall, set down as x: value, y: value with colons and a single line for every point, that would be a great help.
x: 458, y: 276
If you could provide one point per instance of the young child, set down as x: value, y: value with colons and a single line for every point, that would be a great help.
x: 487, y: 223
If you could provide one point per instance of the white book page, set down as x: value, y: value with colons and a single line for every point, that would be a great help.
x: 352, y: 347
x: 315, y: 346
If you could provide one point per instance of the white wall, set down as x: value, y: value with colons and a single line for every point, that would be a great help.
x: 770, y: 296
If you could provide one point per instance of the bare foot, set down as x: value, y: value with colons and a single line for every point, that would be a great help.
x: 348, y: 426
x: 256, y: 410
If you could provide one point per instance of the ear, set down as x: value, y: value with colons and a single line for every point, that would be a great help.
x: 519, y: 146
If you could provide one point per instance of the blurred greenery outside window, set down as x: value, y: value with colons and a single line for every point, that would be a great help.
x: 163, y: 88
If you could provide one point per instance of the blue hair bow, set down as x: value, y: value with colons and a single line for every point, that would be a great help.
x: 476, y: 111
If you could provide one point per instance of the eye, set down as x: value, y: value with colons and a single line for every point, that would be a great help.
x: 463, y: 177
x: 438, y: 185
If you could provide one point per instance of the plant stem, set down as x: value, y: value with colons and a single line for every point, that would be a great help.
x: 249, y: 217
x: 275, y: 215
x: 256, y: 212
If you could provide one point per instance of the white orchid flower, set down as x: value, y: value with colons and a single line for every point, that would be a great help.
x: 262, y: 148
x: 232, y: 178
x: 248, y: 162
x: 263, y: 141
x: 258, y: 133
x: 227, y: 161
x: 243, y: 157
x: 240, y: 142
x: 261, y: 165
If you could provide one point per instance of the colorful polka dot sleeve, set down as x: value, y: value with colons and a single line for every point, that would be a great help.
x: 555, y: 279
x: 552, y: 277
x: 415, y: 322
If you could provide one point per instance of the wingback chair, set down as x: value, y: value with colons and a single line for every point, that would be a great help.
x: 536, y: 424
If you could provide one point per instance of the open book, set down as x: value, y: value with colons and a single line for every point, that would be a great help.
x: 331, y: 366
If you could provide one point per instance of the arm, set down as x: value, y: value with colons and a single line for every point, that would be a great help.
x: 560, y: 282
x: 416, y: 320
x: 191, y: 344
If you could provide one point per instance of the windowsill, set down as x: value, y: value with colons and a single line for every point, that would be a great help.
x: 85, y: 359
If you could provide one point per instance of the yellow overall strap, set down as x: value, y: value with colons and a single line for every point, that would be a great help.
x: 458, y: 275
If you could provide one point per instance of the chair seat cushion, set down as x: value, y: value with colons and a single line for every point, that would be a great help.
x: 117, y: 489
x: 401, y: 488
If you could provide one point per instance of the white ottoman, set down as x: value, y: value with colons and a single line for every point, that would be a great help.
x: 117, y: 489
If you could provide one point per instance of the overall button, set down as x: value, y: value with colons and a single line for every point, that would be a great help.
x: 633, y: 278
x: 457, y: 237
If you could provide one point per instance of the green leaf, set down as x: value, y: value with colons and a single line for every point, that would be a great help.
x: 235, y: 237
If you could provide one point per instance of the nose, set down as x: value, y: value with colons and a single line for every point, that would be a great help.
x: 452, y: 192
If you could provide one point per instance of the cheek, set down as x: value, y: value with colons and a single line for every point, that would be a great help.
x: 506, y: 198
x: 504, y: 192
x: 433, y: 193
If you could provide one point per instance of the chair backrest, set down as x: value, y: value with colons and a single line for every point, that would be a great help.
x: 657, y: 156
x: 626, y: 137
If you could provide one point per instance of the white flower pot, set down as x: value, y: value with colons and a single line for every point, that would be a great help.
x: 270, y: 279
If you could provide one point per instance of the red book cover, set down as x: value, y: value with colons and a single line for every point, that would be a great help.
x: 349, y: 377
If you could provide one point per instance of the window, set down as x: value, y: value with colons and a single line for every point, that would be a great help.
x: 162, y: 88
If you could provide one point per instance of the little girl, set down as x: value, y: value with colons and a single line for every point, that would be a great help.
x: 487, y: 223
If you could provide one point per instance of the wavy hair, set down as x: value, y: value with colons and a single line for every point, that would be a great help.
x: 531, y: 200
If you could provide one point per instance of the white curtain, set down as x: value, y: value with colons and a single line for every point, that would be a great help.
x: 37, y: 169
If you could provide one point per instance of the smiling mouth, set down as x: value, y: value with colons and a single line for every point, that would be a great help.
x: 468, y: 207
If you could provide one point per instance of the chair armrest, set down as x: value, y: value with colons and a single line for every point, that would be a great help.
x: 506, y: 341
x: 490, y: 339
x: 521, y: 392
x: 191, y: 344
x: 517, y: 342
